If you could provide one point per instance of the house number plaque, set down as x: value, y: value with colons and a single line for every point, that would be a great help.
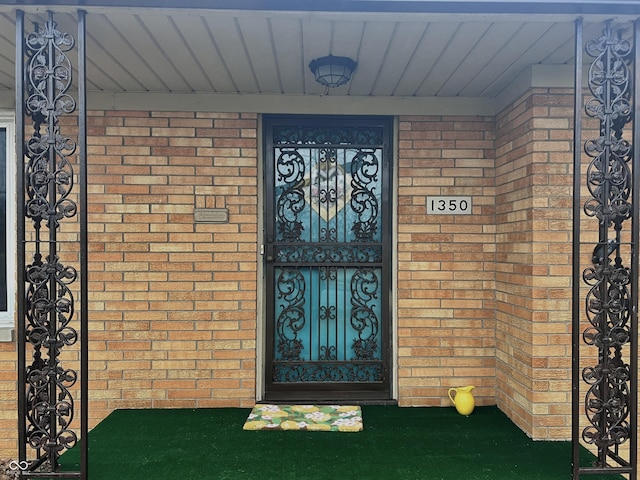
x: 449, y: 205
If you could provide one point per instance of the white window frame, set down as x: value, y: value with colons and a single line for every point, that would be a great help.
x: 7, y: 319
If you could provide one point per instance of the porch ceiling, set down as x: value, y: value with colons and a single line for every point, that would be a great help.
x: 268, y: 52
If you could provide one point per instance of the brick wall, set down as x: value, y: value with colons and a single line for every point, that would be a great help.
x: 8, y: 399
x: 533, y: 261
x: 173, y: 303
x: 446, y: 301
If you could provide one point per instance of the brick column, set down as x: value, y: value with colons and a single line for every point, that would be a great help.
x: 533, y: 262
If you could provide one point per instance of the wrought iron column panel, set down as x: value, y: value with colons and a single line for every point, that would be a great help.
x: 635, y: 250
x: 48, y: 329
x: 608, y: 324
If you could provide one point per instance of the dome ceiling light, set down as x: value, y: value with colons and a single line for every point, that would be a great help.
x: 332, y: 71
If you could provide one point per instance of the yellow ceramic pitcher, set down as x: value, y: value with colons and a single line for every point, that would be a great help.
x: 463, y: 400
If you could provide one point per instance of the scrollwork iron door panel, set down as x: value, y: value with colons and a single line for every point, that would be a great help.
x: 327, y: 257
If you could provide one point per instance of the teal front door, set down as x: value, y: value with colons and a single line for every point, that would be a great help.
x: 327, y: 258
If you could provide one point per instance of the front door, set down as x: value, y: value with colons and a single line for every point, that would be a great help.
x: 327, y: 258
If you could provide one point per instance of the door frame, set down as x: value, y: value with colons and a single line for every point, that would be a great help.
x: 353, y: 392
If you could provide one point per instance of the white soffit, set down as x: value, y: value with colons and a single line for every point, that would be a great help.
x: 253, y: 52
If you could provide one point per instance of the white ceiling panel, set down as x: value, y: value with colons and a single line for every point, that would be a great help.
x: 376, y: 36
x: 507, y: 54
x: 398, y: 55
x: 258, y: 39
x: 287, y: 44
x: 200, y: 40
x: 555, y: 35
x: 450, y: 59
x: 435, y: 40
x: 171, y: 43
x: 120, y: 47
x: 423, y: 55
x: 476, y: 58
x: 135, y: 31
x: 233, y: 52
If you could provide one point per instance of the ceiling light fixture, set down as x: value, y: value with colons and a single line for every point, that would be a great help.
x: 332, y: 71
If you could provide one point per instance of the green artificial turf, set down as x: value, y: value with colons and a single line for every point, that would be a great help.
x: 396, y: 444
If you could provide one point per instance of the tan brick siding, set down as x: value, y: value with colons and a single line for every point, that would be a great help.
x: 445, y: 262
x: 482, y: 299
x: 173, y: 302
x: 8, y: 400
x: 533, y: 261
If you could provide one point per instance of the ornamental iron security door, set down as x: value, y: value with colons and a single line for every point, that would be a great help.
x: 327, y: 257
x: 52, y: 338
x: 605, y: 326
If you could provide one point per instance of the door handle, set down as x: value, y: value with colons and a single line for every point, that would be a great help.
x: 269, y: 258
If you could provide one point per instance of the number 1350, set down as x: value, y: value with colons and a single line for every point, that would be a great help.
x: 449, y: 205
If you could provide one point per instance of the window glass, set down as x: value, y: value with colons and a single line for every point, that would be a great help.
x: 7, y: 227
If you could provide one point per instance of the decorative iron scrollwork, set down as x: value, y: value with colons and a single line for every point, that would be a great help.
x: 329, y: 253
x: 364, y: 294
x: 328, y: 352
x: 291, y: 289
x: 290, y: 167
x: 327, y: 190
x: 294, y: 372
x: 365, y: 168
x: 49, y: 300
x: 287, y: 135
x: 608, y: 300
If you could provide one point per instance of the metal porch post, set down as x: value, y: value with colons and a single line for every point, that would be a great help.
x: 605, y: 333
x: 575, y: 284
x: 48, y: 325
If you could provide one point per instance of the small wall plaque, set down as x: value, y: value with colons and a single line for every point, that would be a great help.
x: 449, y: 205
x: 211, y: 215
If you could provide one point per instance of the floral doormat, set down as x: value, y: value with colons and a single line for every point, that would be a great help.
x: 328, y: 418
